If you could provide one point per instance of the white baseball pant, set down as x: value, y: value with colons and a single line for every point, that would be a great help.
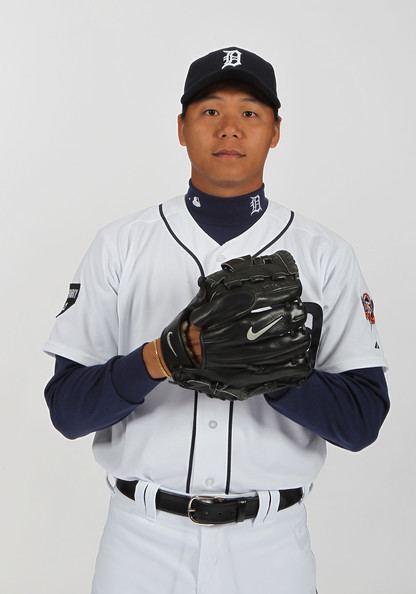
x: 147, y: 551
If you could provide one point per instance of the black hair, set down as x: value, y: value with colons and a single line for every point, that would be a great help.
x: 253, y: 90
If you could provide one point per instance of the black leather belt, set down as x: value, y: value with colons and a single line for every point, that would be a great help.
x: 209, y: 510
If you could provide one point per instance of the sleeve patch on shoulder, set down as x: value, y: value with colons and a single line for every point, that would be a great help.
x: 368, y: 305
x: 73, y: 293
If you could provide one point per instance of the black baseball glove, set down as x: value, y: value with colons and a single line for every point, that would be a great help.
x: 253, y: 334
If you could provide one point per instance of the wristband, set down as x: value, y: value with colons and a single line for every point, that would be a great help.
x: 159, y: 361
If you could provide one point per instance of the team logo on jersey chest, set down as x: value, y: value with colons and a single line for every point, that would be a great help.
x: 368, y: 305
x: 73, y: 293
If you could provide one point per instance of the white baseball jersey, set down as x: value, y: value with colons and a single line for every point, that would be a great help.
x: 136, y: 277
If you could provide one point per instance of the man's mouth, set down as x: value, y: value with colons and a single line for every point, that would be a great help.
x: 228, y: 154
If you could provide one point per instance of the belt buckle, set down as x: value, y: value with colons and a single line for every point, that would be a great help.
x: 204, y: 499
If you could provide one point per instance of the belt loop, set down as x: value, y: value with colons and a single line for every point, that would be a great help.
x: 306, y: 490
x: 273, y: 507
x: 150, y: 500
x: 139, y: 495
x: 264, y: 504
x: 109, y: 483
x: 145, y: 498
x: 268, y: 506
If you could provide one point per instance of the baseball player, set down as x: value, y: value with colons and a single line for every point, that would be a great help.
x: 214, y: 343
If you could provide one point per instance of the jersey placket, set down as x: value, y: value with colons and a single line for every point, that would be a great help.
x: 209, y: 471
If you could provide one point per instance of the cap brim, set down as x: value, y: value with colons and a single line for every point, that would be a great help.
x: 237, y: 75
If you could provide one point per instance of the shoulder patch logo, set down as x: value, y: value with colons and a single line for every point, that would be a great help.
x: 74, y: 289
x: 368, y: 305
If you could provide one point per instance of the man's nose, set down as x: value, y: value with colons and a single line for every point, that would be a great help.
x: 229, y: 128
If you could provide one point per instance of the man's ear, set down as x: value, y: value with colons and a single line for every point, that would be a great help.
x: 180, y: 130
x: 276, y: 133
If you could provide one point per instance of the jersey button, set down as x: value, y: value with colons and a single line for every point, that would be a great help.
x: 213, y: 424
x: 209, y: 482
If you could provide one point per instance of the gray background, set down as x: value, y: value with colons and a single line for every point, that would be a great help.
x: 89, y: 93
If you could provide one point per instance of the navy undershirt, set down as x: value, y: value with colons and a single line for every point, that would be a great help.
x: 225, y: 218
x: 347, y: 409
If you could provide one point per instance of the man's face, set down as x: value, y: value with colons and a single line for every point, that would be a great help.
x: 229, y: 118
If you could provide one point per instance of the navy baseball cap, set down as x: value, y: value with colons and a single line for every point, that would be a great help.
x: 231, y: 63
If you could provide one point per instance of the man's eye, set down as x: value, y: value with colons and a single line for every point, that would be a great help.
x: 210, y: 111
x: 250, y: 112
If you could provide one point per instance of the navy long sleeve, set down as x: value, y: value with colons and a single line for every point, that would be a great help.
x: 347, y: 409
x: 82, y: 399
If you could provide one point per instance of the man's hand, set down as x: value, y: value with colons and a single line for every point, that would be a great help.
x: 193, y: 335
x: 154, y: 365
x: 151, y: 360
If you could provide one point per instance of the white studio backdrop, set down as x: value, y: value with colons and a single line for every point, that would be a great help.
x: 89, y: 94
